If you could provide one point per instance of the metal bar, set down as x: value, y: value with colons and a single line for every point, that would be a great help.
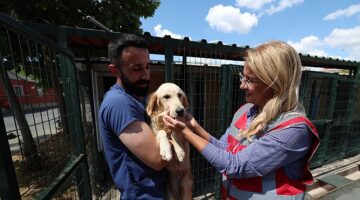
x: 60, y: 180
x: 185, y: 71
x: 76, y: 127
x: 169, y: 65
x: 75, y: 122
x: 233, y: 52
x: 97, y: 23
x: 79, y: 137
x: 229, y: 95
x: 9, y: 188
x: 223, y: 101
x: 90, y: 94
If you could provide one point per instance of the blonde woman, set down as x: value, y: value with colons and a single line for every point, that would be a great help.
x: 266, y: 150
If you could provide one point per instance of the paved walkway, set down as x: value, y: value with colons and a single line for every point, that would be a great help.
x: 329, y: 181
x: 42, y: 125
x: 349, y: 192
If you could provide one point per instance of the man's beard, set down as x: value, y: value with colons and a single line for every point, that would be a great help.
x: 132, y: 89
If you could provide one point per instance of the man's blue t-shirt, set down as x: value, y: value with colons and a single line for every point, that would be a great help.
x: 133, y: 178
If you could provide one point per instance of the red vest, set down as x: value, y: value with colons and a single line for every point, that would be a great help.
x: 278, y: 182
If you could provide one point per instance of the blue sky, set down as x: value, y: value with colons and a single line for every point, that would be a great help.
x: 329, y: 28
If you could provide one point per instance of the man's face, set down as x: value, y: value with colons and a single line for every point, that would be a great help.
x: 135, y: 71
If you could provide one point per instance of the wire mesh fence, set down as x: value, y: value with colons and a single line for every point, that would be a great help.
x: 356, y: 101
x: 200, y: 77
x: 319, y: 158
x: 31, y: 103
x: 318, y: 92
x: 45, y: 109
x: 70, y: 189
x: 344, y: 101
x: 33, y: 106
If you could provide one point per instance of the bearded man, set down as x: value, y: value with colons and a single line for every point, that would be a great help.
x: 130, y: 146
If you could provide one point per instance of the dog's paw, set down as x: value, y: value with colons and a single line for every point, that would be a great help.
x: 180, y: 155
x: 165, y: 152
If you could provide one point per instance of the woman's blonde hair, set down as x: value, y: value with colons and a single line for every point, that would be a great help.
x: 278, y: 65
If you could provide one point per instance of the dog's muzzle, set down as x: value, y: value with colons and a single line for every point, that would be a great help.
x: 179, y: 112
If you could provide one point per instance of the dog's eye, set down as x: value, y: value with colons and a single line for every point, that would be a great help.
x: 167, y: 97
x: 179, y: 95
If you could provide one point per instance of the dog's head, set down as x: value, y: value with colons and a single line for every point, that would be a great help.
x: 167, y: 98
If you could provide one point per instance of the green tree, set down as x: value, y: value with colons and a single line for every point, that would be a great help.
x: 118, y: 15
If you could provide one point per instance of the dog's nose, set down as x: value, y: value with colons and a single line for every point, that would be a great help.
x: 179, y: 111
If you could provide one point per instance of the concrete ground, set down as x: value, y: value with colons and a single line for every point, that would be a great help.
x: 349, y: 192
x: 345, y: 187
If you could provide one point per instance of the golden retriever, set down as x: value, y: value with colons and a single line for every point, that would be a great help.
x: 169, y: 98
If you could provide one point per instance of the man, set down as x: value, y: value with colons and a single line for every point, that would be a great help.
x: 129, y: 144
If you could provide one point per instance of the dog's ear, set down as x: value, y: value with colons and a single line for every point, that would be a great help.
x: 151, y: 105
x: 184, y: 101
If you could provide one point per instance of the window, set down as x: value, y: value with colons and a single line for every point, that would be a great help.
x: 19, y: 91
x: 39, y: 91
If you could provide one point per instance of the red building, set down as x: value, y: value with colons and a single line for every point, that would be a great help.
x: 28, y: 93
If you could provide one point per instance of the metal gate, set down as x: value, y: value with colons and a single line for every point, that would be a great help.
x: 42, y: 145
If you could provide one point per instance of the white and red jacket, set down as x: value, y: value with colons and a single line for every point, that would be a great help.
x: 273, y: 185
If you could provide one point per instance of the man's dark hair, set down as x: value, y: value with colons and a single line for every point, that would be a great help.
x: 116, y: 46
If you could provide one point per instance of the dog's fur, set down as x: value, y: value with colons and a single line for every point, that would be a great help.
x: 169, y: 98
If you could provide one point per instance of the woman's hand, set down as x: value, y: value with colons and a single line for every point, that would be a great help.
x: 191, y: 122
x: 189, y: 128
x: 181, y: 122
x: 176, y: 125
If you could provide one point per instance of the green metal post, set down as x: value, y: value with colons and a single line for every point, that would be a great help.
x: 74, y: 119
x: 9, y: 188
x: 224, y: 98
x: 223, y: 102
x: 229, y: 95
x: 169, y: 65
x: 184, y: 71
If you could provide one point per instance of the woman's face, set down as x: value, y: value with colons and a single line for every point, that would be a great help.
x: 256, y: 92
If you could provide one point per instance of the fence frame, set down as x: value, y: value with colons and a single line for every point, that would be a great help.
x: 9, y: 187
x: 165, y: 46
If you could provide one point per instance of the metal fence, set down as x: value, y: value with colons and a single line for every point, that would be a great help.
x: 48, y: 122
x: 42, y: 139
x: 331, y: 101
x: 200, y: 78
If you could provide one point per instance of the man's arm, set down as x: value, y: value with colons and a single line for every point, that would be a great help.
x: 140, y: 140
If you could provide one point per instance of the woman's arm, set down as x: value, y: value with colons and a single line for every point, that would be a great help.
x: 260, y: 158
x: 264, y: 155
x: 195, y: 127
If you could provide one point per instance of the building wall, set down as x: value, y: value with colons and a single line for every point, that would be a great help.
x: 28, y: 94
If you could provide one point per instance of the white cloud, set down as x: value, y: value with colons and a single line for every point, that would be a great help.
x: 252, y: 4
x: 267, y: 6
x: 309, y: 45
x: 283, y: 4
x: 162, y: 32
x: 347, y: 12
x: 346, y: 39
x: 229, y: 19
